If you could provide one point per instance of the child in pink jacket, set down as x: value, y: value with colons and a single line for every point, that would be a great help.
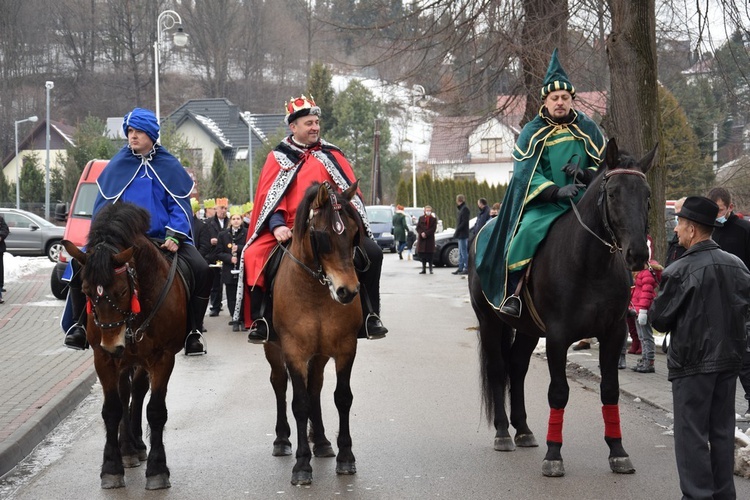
x: 644, y: 292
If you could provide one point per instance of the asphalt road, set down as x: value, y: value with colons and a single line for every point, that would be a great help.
x: 416, y: 423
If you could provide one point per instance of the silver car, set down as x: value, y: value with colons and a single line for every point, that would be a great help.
x: 31, y: 234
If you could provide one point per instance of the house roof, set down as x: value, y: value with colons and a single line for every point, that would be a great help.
x: 450, y: 138
x: 61, y: 135
x: 512, y: 107
x: 702, y: 67
x: 226, y: 124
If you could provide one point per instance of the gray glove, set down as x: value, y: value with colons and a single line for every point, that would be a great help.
x: 566, y: 192
x: 572, y: 170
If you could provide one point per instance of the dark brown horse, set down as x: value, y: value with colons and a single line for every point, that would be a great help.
x: 579, y: 285
x: 316, y: 318
x: 137, y: 315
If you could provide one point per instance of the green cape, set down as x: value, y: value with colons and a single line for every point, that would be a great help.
x: 493, y: 242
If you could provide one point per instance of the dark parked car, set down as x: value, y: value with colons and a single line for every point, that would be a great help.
x: 32, y: 235
x: 381, y: 225
x: 446, y: 248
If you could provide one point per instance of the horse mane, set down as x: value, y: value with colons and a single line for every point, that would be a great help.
x: 116, y: 227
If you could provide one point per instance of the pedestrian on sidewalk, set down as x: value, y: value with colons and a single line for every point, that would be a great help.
x: 400, y: 230
x: 644, y: 292
x: 4, y: 232
x: 231, y: 241
x: 704, y: 301
x: 734, y: 237
x: 463, y: 214
x: 426, y: 238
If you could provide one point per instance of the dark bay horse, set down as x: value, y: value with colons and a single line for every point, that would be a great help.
x: 316, y: 315
x: 579, y: 285
x: 137, y: 322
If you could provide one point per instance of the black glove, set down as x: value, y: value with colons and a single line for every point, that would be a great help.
x: 566, y: 192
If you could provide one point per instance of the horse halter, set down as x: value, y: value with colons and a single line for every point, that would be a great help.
x: 602, y: 204
x: 127, y: 316
x: 338, y: 227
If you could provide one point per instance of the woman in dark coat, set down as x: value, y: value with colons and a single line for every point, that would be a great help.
x: 426, y: 238
x: 230, y: 241
x: 4, y: 232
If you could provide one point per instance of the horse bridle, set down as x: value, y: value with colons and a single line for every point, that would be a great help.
x: 129, y: 316
x: 602, y: 204
x: 338, y: 227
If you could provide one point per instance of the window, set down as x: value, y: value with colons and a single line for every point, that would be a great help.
x: 490, y: 146
x: 464, y: 176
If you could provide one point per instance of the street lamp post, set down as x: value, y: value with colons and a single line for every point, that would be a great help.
x: 418, y: 100
x: 166, y: 20
x: 250, y: 151
x: 49, y: 85
x: 18, y: 175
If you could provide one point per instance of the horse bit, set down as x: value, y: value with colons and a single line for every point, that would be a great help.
x: 602, y: 202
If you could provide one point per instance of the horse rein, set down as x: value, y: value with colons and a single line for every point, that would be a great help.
x: 129, y: 316
x: 602, y: 202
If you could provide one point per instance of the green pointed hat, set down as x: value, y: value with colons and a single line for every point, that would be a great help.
x: 556, y: 78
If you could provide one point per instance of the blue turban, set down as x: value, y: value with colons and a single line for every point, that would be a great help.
x: 144, y: 120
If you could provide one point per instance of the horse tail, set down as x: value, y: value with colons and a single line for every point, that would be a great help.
x: 495, y: 339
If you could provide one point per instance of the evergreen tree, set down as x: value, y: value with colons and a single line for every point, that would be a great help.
x: 219, y: 182
x: 33, y: 187
x: 403, y: 195
x: 320, y: 88
x: 687, y: 170
x: 7, y: 190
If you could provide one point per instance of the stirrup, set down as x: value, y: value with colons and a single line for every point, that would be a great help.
x: 202, y: 340
x: 254, y: 331
x: 367, y: 330
x: 85, y: 339
x: 507, y: 307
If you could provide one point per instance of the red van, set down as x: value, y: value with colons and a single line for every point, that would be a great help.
x: 78, y: 217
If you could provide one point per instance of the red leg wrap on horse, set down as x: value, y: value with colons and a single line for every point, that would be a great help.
x: 611, y: 414
x: 554, y: 429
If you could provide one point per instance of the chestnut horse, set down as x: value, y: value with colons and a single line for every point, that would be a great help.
x: 137, y: 322
x: 578, y: 287
x: 316, y: 317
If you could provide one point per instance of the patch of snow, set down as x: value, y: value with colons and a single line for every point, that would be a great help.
x: 16, y: 267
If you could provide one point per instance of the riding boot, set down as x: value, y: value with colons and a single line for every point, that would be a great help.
x: 512, y: 304
x: 260, y: 313
x: 75, y: 337
x: 194, y: 341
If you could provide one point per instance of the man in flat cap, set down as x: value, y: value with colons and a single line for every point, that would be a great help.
x: 703, y: 302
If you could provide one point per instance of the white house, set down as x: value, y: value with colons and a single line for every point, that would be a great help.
x: 34, y: 143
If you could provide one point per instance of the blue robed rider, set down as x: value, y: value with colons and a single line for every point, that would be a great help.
x: 146, y: 174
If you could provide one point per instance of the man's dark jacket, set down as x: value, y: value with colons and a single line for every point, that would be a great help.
x: 703, y: 301
x: 734, y: 237
x: 482, y: 218
x: 462, y: 222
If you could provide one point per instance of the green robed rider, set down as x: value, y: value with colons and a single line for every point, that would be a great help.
x: 556, y: 156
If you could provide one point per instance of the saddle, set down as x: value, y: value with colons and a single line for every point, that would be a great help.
x: 183, y: 269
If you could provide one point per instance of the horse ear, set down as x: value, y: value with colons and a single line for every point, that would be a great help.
x: 648, y: 161
x: 124, y: 256
x: 322, y: 198
x: 612, y: 155
x: 74, y: 252
x: 351, y: 191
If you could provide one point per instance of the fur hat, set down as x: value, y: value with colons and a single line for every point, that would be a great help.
x: 556, y: 78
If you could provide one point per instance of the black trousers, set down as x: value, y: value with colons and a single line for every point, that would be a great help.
x: 2, y: 270
x: 704, y: 434
x: 216, y: 291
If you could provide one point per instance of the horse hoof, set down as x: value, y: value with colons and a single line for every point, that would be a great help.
x: 504, y: 444
x: 526, y: 441
x: 282, y: 450
x: 621, y: 465
x: 302, y: 477
x: 323, y: 451
x: 111, y: 481
x: 158, y: 482
x: 142, y: 455
x: 130, y: 461
x: 553, y: 468
x: 346, y: 468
